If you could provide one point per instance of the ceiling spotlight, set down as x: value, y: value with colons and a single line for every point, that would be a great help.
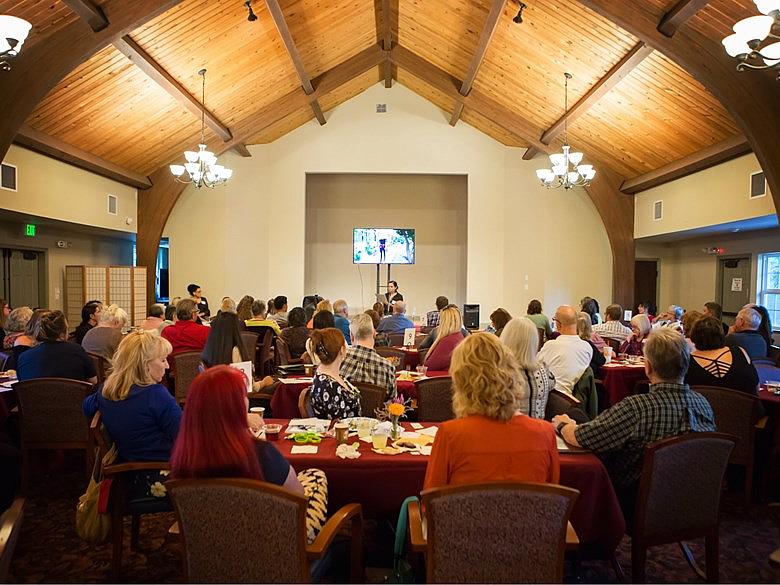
x: 252, y: 16
x: 519, y: 18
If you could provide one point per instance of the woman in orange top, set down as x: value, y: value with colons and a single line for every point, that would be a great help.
x: 490, y: 440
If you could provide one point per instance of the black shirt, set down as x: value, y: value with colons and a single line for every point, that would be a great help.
x: 81, y: 331
x: 55, y: 359
x: 203, y: 307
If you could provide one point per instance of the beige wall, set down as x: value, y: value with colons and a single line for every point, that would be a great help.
x: 252, y: 233
x: 53, y: 189
x: 720, y: 194
x: 434, y: 205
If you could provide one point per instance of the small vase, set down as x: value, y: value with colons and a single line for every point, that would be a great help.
x: 395, y: 432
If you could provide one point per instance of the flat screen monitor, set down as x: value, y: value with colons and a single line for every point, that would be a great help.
x: 382, y: 246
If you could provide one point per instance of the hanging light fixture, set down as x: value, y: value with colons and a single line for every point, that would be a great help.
x: 566, y: 171
x: 201, y: 167
x: 13, y: 32
x: 749, y: 33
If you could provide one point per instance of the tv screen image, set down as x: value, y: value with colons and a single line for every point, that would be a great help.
x: 382, y: 246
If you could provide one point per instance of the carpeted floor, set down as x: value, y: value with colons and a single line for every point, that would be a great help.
x: 50, y: 551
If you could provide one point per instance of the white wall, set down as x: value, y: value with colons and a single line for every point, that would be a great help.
x: 249, y: 236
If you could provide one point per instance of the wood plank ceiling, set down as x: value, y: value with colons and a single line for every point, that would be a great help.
x: 652, y: 116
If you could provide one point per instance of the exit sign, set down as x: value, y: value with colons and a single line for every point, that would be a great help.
x: 29, y: 230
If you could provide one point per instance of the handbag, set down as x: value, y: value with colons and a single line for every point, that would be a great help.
x: 93, y: 523
x: 403, y: 572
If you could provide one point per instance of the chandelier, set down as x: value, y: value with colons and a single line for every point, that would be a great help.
x: 566, y: 171
x: 202, y: 168
x: 13, y: 32
x: 749, y: 33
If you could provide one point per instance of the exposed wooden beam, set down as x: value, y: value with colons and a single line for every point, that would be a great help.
x: 284, y: 31
x: 698, y: 161
x: 133, y: 51
x: 386, y: 30
x: 33, y: 139
x: 242, y: 150
x: 496, y: 9
x: 630, y: 60
x: 678, y: 15
x: 89, y: 12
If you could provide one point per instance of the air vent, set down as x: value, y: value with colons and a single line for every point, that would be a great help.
x: 658, y: 210
x: 381, y: 108
x: 8, y: 177
x: 757, y: 185
x: 112, y: 204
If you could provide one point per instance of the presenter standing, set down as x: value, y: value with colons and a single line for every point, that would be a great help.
x: 200, y: 301
x: 392, y: 295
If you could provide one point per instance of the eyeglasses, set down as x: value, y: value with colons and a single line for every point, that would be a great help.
x: 555, y: 319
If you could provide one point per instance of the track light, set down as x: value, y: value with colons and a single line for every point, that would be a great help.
x: 519, y: 18
x: 252, y: 16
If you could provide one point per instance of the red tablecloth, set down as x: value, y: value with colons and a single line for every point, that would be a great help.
x: 412, y: 356
x: 381, y: 482
x: 771, y: 403
x: 619, y: 381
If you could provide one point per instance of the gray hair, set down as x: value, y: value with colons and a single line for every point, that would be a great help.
x: 751, y: 317
x: 522, y: 338
x: 339, y: 306
x: 399, y: 308
x: 584, y: 326
x: 114, y: 315
x: 18, y: 319
x: 667, y: 352
x: 361, y: 327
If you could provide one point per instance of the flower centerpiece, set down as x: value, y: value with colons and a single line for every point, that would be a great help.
x: 394, y: 410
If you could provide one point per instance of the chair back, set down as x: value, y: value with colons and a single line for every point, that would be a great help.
x: 421, y: 355
x: 304, y: 403
x: 736, y: 413
x: 372, y: 397
x: 426, y: 329
x: 10, y: 528
x: 559, y: 403
x: 680, y: 487
x: 396, y: 339
x: 434, y: 399
x: 187, y: 366
x: 613, y: 343
x: 393, y: 353
x: 100, y: 435
x: 4, y: 357
x: 497, y: 532
x: 265, y: 543
x: 419, y: 338
x: 249, y: 339
x: 263, y: 359
x: 282, y: 355
x: 100, y: 366
x: 585, y: 391
x: 51, y: 415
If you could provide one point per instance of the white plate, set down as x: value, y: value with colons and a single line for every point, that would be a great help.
x: 353, y: 421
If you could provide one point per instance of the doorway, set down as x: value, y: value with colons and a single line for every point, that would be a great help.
x: 22, y: 277
x: 733, y: 286
x: 645, y: 282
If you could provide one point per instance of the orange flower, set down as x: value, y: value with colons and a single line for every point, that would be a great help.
x: 396, y: 409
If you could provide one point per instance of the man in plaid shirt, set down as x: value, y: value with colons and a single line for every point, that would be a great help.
x: 619, y: 435
x: 362, y: 363
x: 432, y: 317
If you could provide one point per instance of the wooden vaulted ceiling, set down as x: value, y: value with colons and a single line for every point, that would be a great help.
x: 649, y: 115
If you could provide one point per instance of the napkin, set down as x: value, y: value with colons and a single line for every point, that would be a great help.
x: 304, y: 449
x: 348, y: 451
x: 426, y: 449
x: 431, y: 431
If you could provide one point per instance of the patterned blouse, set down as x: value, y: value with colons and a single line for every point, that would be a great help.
x: 541, y: 381
x: 329, y: 399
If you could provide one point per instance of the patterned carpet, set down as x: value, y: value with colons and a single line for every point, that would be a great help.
x: 50, y: 551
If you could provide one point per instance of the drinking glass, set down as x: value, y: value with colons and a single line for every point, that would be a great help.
x: 379, y: 439
x: 364, y: 428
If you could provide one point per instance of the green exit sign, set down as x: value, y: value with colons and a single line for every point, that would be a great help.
x: 29, y: 230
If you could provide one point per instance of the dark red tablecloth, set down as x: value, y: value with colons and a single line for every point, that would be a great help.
x: 619, y: 381
x: 771, y: 403
x: 412, y: 356
x: 381, y: 483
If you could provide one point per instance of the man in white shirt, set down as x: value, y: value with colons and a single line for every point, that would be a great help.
x: 613, y: 328
x: 567, y: 356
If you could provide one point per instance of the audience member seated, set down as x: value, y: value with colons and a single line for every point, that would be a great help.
x: 280, y: 315
x: 201, y: 303
x: 567, y: 356
x: 613, y: 328
x: 331, y: 396
x: 5, y: 310
x: 534, y: 313
x: 585, y: 331
x: 745, y: 334
x: 432, y: 317
x: 323, y: 320
x: 25, y: 341
x: 15, y: 325
x: 341, y: 318
x: 498, y: 319
x: 186, y: 334
x: 713, y: 309
x: 362, y: 363
x: 155, y: 318
x: 323, y: 305
x: 640, y: 329
x: 227, y: 305
x: 489, y: 440
x: 619, y: 434
x: 687, y: 322
x: 591, y: 307
x: 54, y: 357
x: 670, y: 318
x: 448, y: 336
x: 90, y: 313
x: 224, y: 345
x: 522, y: 339
x: 647, y: 308
x: 260, y: 319
x: 104, y: 338
x: 244, y: 308
x: 376, y: 318
x: 765, y: 327
x: 398, y: 321
x: 715, y: 364
x: 170, y: 316
x: 296, y: 333
x: 379, y: 308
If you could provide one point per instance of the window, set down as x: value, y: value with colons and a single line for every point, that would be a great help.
x: 769, y: 285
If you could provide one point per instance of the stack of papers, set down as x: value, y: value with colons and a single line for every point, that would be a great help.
x: 301, y: 380
x: 302, y: 425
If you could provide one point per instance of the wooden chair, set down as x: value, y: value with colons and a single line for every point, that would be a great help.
x: 679, y: 498
x: 396, y: 339
x: 372, y: 397
x: 265, y: 542
x: 418, y: 339
x: 282, y: 355
x: 119, y: 505
x: 264, y: 359
x: 737, y: 414
x: 304, y: 403
x: 187, y: 367
x: 559, y: 403
x: 392, y: 352
x: 100, y: 366
x: 51, y: 417
x: 249, y: 339
x: 10, y: 528
x: 501, y: 532
x: 434, y: 399
x: 426, y: 329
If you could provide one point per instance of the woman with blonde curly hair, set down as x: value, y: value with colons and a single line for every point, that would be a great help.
x: 490, y: 440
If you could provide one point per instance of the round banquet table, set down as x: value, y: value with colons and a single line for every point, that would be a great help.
x: 380, y: 483
x: 284, y: 402
x: 412, y: 355
x: 619, y: 380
